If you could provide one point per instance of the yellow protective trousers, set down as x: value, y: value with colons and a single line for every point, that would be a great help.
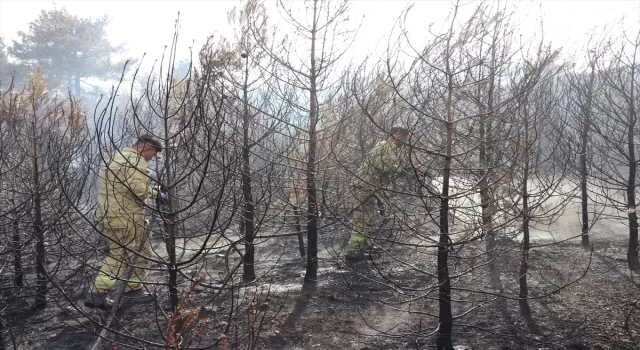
x: 123, y: 244
x: 365, y: 201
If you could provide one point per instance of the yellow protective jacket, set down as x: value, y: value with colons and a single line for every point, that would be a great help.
x: 381, y: 164
x: 123, y: 187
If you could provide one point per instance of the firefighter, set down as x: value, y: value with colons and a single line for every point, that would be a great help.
x: 381, y: 165
x: 123, y: 188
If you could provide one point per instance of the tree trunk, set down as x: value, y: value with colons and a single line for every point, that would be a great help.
x: 311, y: 273
x: 297, y: 213
x: 38, y: 231
x: 584, y: 139
x: 18, y: 278
x: 174, y: 298
x: 487, y: 186
x: 632, y: 255
x: 525, y: 246
x: 524, y: 257
x: 170, y: 222
x: 445, y: 317
x: 249, y: 273
x: 1, y: 334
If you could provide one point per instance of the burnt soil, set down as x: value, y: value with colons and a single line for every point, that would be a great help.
x: 578, y: 299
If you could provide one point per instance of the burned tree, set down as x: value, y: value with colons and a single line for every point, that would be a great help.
x: 259, y: 120
x: 310, y: 79
x: 614, y: 122
x: 582, y: 90
x: 537, y: 170
x: 45, y: 129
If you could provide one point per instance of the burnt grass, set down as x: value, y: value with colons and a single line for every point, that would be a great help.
x: 578, y: 299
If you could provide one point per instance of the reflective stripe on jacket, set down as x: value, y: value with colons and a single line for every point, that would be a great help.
x: 123, y: 187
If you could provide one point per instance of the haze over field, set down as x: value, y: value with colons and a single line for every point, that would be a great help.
x: 147, y: 28
x: 320, y: 175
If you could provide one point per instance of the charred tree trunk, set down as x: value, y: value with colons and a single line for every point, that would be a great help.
x: 524, y: 256
x: 249, y: 273
x: 525, y: 245
x: 2, y: 328
x: 584, y: 142
x: 16, y: 245
x: 311, y: 273
x: 632, y: 254
x: 445, y: 317
x: 486, y: 183
x: 297, y: 213
x: 38, y: 231
x: 487, y: 202
x: 171, y: 226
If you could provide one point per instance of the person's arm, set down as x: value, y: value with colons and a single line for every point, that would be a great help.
x: 138, y: 181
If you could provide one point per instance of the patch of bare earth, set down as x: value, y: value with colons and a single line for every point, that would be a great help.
x: 385, y: 304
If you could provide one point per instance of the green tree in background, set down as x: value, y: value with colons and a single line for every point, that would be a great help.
x: 5, y: 69
x: 70, y: 48
x: 9, y: 70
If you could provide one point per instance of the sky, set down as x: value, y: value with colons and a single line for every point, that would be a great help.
x: 147, y: 26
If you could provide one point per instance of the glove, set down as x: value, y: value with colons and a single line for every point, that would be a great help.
x: 162, y: 197
x: 160, y: 188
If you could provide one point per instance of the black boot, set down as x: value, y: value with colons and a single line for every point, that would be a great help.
x: 100, y: 301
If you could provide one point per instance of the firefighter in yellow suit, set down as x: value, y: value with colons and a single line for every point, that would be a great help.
x: 381, y: 165
x: 123, y: 188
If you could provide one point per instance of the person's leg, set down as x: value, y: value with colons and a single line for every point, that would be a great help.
x: 362, y: 220
x: 134, y: 292
x: 97, y: 296
x: 123, y: 245
x: 113, y: 267
x: 140, y: 271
